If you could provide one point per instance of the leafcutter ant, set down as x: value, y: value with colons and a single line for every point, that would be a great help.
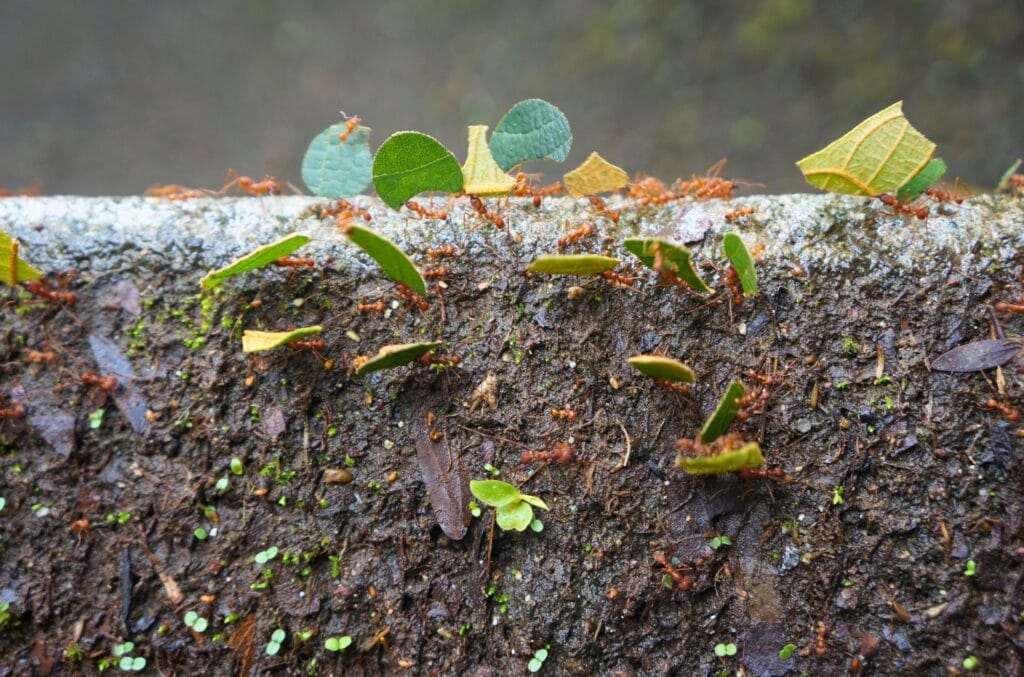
x: 435, y: 273
x: 350, y: 127
x: 268, y: 186
x: 602, y: 209
x: 440, y: 360
x: 682, y: 581
x: 738, y: 213
x: 294, y: 262
x: 562, y: 452
x: 425, y: 213
x: 567, y: 414
x: 481, y: 209
x: 616, y: 279
x: 1009, y: 413
x: 442, y: 252
x: 173, y: 191
x: 42, y: 289
x: 903, y: 208
x: 586, y: 230
x: 369, y: 307
x: 412, y: 297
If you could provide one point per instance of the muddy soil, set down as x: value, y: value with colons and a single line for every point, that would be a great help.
x: 896, y: 548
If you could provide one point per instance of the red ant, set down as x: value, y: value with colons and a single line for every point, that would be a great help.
x: 294, y: 262
x: 350, y: 127
x: 723, y: 444
x: 666, y: 270
x: 344, y: 211
x: 777, y: 474
x: 651, y: 191
x: 1009, y: 413
x: 1016, y: 183
x: 562, y: 452
x: 441, y: 252
x: 738, y: 213
x: 37, y: 357
x: 41, y: 288
x: 434, y: 273
x: 425, y: 213
x: 524, y: 188
x: 567, y: 414
x: 678, y: 388
x: 268, y: 186
x: 16, y: 410
x: 1010, y: 307
x: 820, y: 646
x: 906, y: 209
x: 682, y: 581
x: 412, y: 297
x: 940, y: 195
x: 33, y: 189
x: 108, y: 382
x: 306, y: 344
x: 481, y: 209
x: 173, y: 191
x: 711, y: 185
x: 586, y: 230
x: 616, y: 279
x: 602, y: 209
x: 732, y: 278
x: 440, y: 360
x: 368, y: 307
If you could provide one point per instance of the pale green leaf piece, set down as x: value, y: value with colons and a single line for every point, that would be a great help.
x: 410, y: 163
x: 535, y: 501
x: 1004, y: 180
x: 263, y: 256
x: 531, y: 130
x: 334, y: 168
x: 666, y: 368
x: 932, y: 172
x: 515, y: 516
x: 744, y: 458
x: 258, y: 341
x: 572, y: 264
x: 494, y: 493
x: 482, y: 175
x: 12, y: 268
x: 739, y: 256
x: 674, y: 258
x: 396, y: 355
x: 879, y: 155
x: 392, y: 260
x: 726, y: 411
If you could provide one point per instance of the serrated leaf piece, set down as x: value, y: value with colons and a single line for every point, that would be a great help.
x: 724, y: 414
x: 396, y: 355
x: 879, y: 155
x: 258, y: 341
x: 258, y: 258
x: 666, y: 368
x: 675, y: 258
x: 739, y: 256
x: 410, y: 163
x: 932, y: 172
x: 595, y: 175
x: 334, y: 168
x: 392, y: 260
x: 482, y: 175
x: 572, y: 264
x: 13, y: 269
x: 746, y: 457
x: 531, y: 130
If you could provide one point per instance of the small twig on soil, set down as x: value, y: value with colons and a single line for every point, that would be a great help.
x: 170, y: 586
x: 379, y: 638
x: 490, y: 545
x: 629, y: 448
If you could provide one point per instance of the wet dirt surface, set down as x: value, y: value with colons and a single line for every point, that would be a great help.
x: 901, y: 475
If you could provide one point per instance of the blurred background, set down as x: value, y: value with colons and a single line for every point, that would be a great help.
x: 111, y: 96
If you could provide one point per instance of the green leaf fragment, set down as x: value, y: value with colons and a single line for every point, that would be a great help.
x: 746, y: 457
x: 395, y: 355
x: 1004, y: 180
x: 674, y: 258
x: 482, y: 174
x: 879, y: 155
x: 531, y: 130
x: 535, y: 501
x: 726, y: 411
x: 259, y: 258
x: 494, y: 493
x: 410, y: 163
x: 258, y: 341
x: 334, y: 168
x: 739, y: 256
x: 572, y: 264
x: 392, y: 261
x: 932, y: 172
x: 515, y: 517
x: 12, y: 268
x: 666, y: 368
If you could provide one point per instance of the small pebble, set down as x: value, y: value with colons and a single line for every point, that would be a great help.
x: 337, y: 476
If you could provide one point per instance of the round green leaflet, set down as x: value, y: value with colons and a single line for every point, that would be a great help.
x: 392, y: 260
x: 410, y: 163
x: 666, y: 368
x: 334, y: 168
x: 395, y: 355
x: 531, y: 130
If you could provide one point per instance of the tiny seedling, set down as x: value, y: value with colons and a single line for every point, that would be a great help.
x: 971, y: 568
x: 221, y: 485
x: 572, y: 264
x: 96, y: 418
x: 395, y: 355
x: 259, y: 341
x: 196, y: 622
x: 837, y: 494
x: 970, y: 663
x: 236, y: 466
x: 276, y: 640
x: 337, y: 644
x: 537, y: 662
x: 265, y: 556
x: 786, y: 652
x: 201, y: 534
x: 718, y: 541
x: 491, y: 470
x: 410, y: 163
x: 514, y: 509
x: 474, y: 509
x: 259, y: 258
x: 132, y: 663
x: 123, y: 649
x: 723, y: 650
x: 536, y: 525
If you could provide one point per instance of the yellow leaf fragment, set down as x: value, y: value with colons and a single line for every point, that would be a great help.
x: 482, y: 175
x: 12, y: 268
x: 879, y: 155
x: 257, y: 341
x: 595, y: 175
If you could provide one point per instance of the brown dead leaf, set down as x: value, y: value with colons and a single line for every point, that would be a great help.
x: 595, y: 175
x: 241, y: 643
